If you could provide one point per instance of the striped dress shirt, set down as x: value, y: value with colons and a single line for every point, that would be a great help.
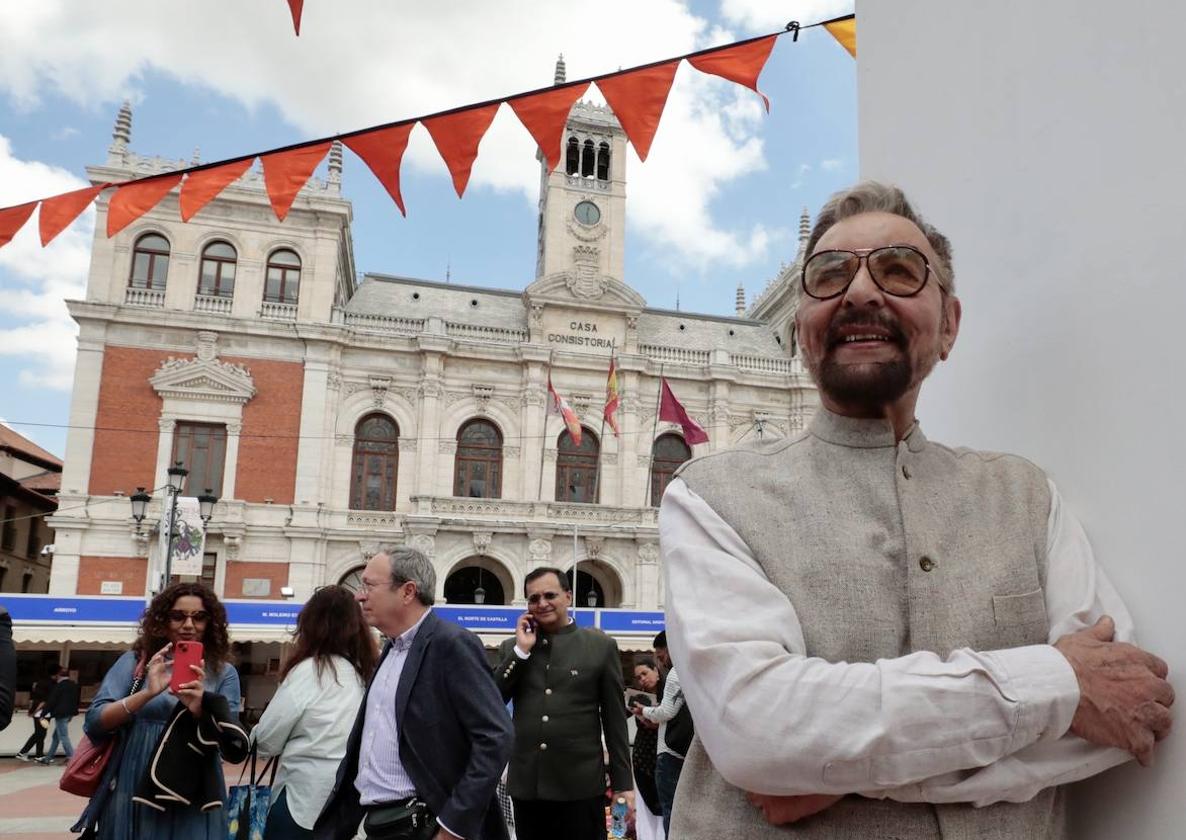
x: 381, y: 775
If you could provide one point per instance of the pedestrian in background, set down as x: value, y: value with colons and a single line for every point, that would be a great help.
x: 648, y: 816
x: 37, y: 699
x: 7, y: 669
x: 675, y: 730
x: 62, y: 706
x: 334, y: 653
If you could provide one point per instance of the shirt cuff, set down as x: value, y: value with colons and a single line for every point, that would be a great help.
x: 451, y: 831
x: 1044, y: 685
x: 522, y: 654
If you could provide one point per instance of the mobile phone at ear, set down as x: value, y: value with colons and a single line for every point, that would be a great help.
x: 185, y: 654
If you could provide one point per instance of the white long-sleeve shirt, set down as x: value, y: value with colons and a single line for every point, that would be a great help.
x: 668, y: 708
x: 776, y: 721
x: 307, y: 724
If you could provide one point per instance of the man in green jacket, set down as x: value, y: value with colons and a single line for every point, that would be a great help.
x: 567, y: 688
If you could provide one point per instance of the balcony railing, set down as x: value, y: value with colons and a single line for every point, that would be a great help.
x: 383, y: 323
x: 278, y: 311
x: 676, y: 355
x: 532, y: 511
x: 144, y: 297
x: 216, y: 304
x: 501, y: 335
x: 767, y: 364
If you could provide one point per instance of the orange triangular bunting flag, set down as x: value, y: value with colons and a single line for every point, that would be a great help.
x: 544, y: 115
x: 295, y: 6
x: 13, y: 219
x: 201, y: 187
x: 742, y: 63
x: 457, y: 136
x: 637, y: 99
x: 58, y: 212
x: 382, y: 150
x: 845, y: 31
x: 133, y: 200
x: 286, y: 172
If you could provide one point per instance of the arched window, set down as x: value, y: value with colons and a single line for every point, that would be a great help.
x: 475, y: 582
x: 150, y: 262
x: 603, y: 162
x: 588, y: 159
x: 477, y: 471
x: 576, y: 467
x: 218, y: 270
x: 667, y: 453
x: 284, y: 277
x: 376, y: 460
x: 572, y: 160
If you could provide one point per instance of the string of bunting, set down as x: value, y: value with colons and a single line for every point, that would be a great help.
x: 637, y: 96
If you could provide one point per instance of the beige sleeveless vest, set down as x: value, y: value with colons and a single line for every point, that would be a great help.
x: 902, y: 547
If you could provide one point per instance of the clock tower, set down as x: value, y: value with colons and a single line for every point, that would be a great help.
x: 582, y: 204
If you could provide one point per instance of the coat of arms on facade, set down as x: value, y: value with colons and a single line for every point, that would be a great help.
x: 585, y: 280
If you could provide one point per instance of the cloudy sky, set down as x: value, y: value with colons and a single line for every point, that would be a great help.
x: 716, y: 203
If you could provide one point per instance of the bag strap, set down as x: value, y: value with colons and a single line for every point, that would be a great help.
x: 138, y: 675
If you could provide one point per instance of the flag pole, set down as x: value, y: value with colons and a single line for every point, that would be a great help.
x: 575, y: 573
x: 600, y: 448
x: 543, y: 434
x: 646, y: 488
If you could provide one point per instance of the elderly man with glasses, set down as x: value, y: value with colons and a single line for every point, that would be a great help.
x: 566, y: 684
x: 878, y: 635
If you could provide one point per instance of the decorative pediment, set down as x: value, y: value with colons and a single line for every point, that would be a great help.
x: 203, y: 379
x: 584, y: 286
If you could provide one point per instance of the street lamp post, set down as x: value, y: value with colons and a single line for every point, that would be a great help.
x: 177, y: 474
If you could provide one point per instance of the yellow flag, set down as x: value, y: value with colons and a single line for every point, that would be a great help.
x: 845, y: 31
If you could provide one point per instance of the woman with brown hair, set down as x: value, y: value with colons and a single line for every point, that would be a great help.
x: 308, y: 722
x: 135, y: 700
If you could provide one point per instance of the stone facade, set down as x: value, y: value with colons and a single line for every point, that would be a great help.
x: 290, y: 384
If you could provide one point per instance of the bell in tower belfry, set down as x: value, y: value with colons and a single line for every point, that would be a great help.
x: 582, y: 204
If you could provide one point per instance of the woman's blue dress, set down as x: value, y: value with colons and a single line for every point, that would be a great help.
x: 118, y: 817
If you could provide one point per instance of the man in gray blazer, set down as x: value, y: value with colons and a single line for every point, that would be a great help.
x: 433, y: 736
x: 878, y: 635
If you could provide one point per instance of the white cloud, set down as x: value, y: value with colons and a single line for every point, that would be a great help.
x: 64, y: 133
x: 35, y: 281
x: 831, y: 165
x: 341, y: 75
x: 801, y: 175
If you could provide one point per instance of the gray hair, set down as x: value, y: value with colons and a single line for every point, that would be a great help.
x: 874, y: 197
x: 408, y: 564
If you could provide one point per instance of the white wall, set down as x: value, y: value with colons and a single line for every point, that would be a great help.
x: 1047, y: 140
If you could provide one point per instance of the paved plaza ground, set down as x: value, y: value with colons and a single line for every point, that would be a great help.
x: 31, y: 806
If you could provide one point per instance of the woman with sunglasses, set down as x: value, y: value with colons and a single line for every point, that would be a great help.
x: 308, y: 722
x: 182, y: 612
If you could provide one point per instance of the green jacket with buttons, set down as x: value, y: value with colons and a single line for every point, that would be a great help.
x: 566, y: 694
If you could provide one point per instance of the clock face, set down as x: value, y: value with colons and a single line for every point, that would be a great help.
x: 587, y: 213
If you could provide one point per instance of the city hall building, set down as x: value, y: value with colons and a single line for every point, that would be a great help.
x: 330, y: 413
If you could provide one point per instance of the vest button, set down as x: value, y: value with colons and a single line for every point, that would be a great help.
x: 545, y: 718
x: 547, y: 691
x: 543, y: 746
x: 926, y: 564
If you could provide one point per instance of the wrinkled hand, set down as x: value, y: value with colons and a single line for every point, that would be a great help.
x: 1124, y: 699
x: 524, y: 635
x: 159, y: 672
x: 783, y: 810
x: 190, y: 693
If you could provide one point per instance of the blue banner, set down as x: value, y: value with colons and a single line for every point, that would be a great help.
x: 46, y: 608
x: 631, y: 621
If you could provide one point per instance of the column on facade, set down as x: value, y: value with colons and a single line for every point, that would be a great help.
x: 72, y: 519
x: 718, y: 414
x: 532, y: 421
x: 306, y: 567
x: 430, y: 391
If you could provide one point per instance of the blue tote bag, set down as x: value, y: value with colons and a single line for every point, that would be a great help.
x: 247, y: 805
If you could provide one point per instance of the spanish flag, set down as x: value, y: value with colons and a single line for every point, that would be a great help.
x: 611, y: 396
x: 558, y: 405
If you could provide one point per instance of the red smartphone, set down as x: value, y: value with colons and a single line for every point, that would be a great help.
x: 184, y: 655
